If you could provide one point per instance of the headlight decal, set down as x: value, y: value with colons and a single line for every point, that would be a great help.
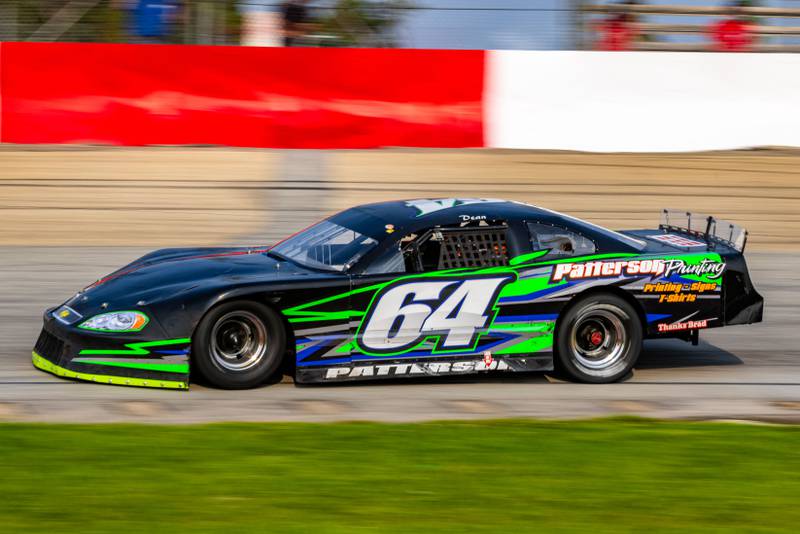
x: 66, y: 315
x: 118, y: 321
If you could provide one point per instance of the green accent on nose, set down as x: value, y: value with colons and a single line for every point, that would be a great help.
x: 147, y: 366
x: 136, y: 349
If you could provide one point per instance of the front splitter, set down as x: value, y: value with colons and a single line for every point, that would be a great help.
x: 46, y: 365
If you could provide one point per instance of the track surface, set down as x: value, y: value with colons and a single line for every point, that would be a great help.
x: 746, y: 372
x: 58, y: 196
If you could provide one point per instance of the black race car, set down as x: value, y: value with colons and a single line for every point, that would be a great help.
x: 406, y: 288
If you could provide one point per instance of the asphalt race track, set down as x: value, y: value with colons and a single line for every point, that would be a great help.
x: 745, y: 372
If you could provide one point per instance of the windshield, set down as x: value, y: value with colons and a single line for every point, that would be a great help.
x: 326, y: 245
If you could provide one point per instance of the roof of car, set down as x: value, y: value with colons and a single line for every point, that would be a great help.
x: 441, y: 211
x: 417, y: 214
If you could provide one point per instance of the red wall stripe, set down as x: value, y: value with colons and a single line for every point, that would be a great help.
x: 241, y: 96
x: 2, y: 45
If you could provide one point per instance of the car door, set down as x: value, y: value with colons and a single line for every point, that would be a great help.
x: 431, y: 295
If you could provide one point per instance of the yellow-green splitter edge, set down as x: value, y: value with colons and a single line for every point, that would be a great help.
x: 50, y: 367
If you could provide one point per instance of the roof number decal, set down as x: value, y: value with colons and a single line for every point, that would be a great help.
x: 426, y: 206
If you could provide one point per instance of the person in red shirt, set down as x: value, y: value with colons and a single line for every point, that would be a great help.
x: 619, y: 31
x: 735, y: 33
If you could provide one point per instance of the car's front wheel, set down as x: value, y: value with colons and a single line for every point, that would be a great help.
x: 239, y: 345
x: 599, y: 339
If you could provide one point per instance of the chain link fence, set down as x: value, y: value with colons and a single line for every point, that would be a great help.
x: 120, y: 21
x: 548, y: 24
x: 453, y: 24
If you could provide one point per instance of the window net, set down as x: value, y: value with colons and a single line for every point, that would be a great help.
x: 473, y: 248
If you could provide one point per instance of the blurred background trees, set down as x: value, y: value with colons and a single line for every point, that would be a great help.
x: 338, y: 22
x: 364, y: 22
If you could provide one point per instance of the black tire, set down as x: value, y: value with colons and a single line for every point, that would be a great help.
x: 239, y: 345
x: 599, y: 339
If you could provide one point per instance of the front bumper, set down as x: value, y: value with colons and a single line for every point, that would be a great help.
x: 70, y: 352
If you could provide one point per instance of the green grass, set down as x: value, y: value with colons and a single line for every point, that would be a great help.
x: 502, y: 476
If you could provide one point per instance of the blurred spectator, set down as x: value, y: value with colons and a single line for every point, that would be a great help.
x: 620, y: 30
x: 154, y: 19
x: 262, y: 23
x: 296, y: 21
x: 734, y: 33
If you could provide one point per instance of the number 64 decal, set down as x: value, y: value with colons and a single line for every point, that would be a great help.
x: 403, y: 313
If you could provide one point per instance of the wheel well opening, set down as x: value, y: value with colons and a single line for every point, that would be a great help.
x: 610, y: 290
x: 288, y: 355
x: 563, y: 366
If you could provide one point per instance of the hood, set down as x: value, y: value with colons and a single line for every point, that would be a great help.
x: 165, y: 273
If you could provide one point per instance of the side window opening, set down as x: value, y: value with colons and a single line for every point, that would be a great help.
x: 470, y: 244
x: 559, y: 242
x: 457, y: 247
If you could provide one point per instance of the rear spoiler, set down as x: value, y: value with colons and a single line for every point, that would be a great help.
x: 705, y: 227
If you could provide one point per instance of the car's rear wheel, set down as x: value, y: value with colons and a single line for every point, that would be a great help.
x: 239, y: 345
x: 599, y: 339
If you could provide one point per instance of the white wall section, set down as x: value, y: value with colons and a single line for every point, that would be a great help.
x: 641, y: 101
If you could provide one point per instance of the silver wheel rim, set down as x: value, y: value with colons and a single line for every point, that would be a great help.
x: 238, y: 341
x: 599, y: 341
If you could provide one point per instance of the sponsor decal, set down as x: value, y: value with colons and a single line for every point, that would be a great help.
x: 454, y: 310
x: 709, y: 268
x: 673, y: 292
x: 406, y: 369
x: 426, y: 206
x: 688, y: 325
x: 66, y: 315
x: 655, y: 267
x: 603, y: 269
x: 677, y: 240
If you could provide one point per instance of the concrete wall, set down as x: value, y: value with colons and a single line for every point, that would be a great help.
x: 641, y: 101
x: 135, y: 95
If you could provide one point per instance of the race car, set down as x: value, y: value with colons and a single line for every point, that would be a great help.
x: 425, y: 287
